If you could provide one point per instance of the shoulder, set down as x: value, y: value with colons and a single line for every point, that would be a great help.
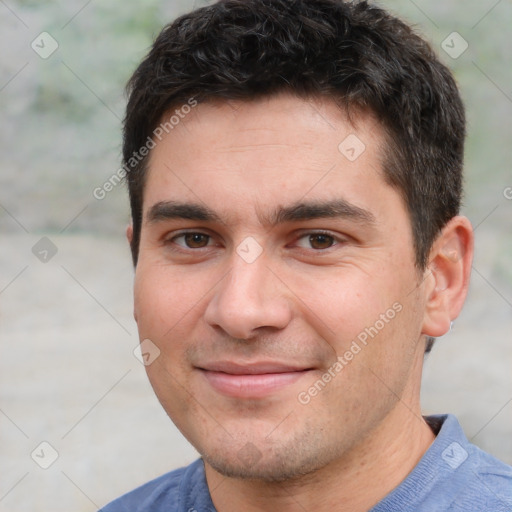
x: 453, y: 475
x: 473, y: 479
x: 162, y: 493
x: 489, y: 481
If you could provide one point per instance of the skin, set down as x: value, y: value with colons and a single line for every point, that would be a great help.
x: 317, y: 284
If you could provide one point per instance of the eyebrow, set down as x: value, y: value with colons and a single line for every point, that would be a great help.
x: 338, y: 208
x: 167, y: 210
x: 302, y: 211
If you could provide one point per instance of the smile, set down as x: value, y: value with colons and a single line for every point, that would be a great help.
x: 251, y: 381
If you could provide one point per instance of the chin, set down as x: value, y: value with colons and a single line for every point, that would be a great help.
x: 292, y: 459
x: 267, y: 471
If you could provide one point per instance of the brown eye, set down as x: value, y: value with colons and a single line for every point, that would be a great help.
x: 321, y: 241
x: 196, y: 240
x: 192, y: 240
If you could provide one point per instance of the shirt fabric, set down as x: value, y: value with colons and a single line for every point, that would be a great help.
x: 452, y: 476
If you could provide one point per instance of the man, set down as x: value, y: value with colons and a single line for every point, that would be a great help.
x: 294, y: 169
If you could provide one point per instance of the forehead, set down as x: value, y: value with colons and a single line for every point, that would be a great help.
x: 273, y: 151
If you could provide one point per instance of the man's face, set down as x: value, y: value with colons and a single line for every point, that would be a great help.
x: 268, y: 255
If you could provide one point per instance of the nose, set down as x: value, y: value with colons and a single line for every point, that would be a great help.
x: 249, y: 298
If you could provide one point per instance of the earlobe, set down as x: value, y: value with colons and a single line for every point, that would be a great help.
x: 129, y: 233
x: 448, y: 275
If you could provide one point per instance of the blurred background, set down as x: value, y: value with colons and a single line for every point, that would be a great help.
x: 68, y: 375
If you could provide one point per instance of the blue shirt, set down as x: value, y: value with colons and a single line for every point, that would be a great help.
x: 453, y: 475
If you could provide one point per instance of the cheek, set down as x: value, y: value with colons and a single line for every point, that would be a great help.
x: 370, y: 319
x: 342, y: 304
x: 164, y: 301
x: 166, y: 307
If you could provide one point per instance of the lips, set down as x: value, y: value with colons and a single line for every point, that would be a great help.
x: 251, y: 380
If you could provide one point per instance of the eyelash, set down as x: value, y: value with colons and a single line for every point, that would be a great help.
x: 336, y: 240
x: 172, y: 240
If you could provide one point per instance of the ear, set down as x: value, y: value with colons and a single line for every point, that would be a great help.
x: 129, y: 233
x: 447, y: 276
x: 129, y: 237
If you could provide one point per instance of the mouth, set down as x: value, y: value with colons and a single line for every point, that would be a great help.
x: 251, y: 380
